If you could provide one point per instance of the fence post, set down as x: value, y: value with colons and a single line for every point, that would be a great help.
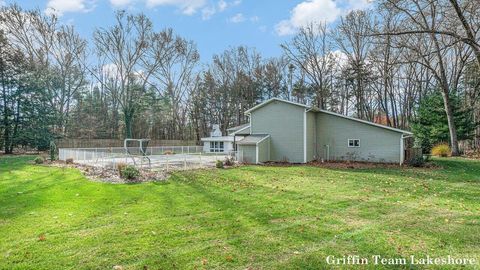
x: 184, y: 163
x: 167, y: 163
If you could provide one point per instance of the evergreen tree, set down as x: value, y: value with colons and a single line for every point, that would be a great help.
x: 431, y: 126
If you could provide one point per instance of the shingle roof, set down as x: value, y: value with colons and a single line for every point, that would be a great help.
x: 238, y: 127
x: 252, y: 139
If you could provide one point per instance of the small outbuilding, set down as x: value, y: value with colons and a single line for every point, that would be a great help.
x: 217, y: 143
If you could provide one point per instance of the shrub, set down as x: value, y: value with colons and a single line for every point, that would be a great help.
x: 441, y: 150
x: 219, y: 164
x: 120, y: 167
x: 69, y: 161
x: 53, y: 150
x: 129, y: 172
x: 39, y: 160
x: 229, y: 161
x: 417, y: 161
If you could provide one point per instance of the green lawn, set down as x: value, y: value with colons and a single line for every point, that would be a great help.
x: 249, y: 217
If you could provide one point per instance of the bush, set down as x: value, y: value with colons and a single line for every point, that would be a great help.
x: 441, y: 150
x: 416, y: 161
x: 39, y: 160
x: 120, y: 167
x: 219, y: 164
x: 53, y: 150
x: 129, y: 172
x: 69, y: 161
x: 229, y: 161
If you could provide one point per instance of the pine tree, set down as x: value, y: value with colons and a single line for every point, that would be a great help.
x: 431, y: 125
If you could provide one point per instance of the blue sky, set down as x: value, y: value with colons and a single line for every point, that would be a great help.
x: 215, y: 25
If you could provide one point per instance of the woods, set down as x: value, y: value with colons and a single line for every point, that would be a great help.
x: 399, y: 63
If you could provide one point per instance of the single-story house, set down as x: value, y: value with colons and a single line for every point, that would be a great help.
x: 217, y: 143
x: 286, y: 131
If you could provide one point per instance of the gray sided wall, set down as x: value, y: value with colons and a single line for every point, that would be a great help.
x: 264, y: 150
x: 376, y: 144
x: 248, y: 153
x: 310, y: 136
x: 284, y: 123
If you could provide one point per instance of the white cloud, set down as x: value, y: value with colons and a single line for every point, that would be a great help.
x: 285, y: 28
x: 237, y: 18
x: 254, y: 19
x: 59, y: 7
x: 121, y: 3
x: 222, y: 5
x: 358, y: 4
x: 316, y: 11
x: 311, y: 11
x: 208, y: 12
x: 187, y: 7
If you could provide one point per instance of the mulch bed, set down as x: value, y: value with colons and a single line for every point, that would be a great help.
x: 109, y: 175
x: 349, y: 165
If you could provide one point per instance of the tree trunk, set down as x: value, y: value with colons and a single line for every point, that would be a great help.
x: 451, y: 123
x: 128, y: 117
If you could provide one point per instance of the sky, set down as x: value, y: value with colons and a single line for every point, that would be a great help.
x: 214, y: 25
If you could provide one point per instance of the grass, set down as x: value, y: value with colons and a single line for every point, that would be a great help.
x: 249, y: 217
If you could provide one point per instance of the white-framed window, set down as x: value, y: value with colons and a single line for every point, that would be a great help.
x: 216, y: 147
x: 353, y: 142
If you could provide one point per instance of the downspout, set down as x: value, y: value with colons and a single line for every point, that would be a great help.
x: 305, y: 136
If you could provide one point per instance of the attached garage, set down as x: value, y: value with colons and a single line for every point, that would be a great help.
x: 254, y: 149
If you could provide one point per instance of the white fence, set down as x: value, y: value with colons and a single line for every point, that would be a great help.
x: 98, y: 153
x: 160, y: 157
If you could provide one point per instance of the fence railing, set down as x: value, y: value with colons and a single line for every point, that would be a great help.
x: 160, y: 157
x: 95, y: 153
x: 92, y: 143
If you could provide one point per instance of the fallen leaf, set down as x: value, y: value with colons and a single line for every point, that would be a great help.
x: 42, y: 237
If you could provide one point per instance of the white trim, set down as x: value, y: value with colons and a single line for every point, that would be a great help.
x: 256, y: 148
x: 402, y: 150
x: 233, y: 133
x: 217, y: 139
x: 264, y: 138
x: 366, y: 122
x: 305, y: 136
x: 250, y: 121
x: 348, y: 143
x: 274, y: 99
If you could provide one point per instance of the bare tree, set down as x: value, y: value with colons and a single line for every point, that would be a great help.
x: 123, y: 47
x: 58, y: 51
x: 171, y: 60
x: 311, y: 50
x: 351, y: 37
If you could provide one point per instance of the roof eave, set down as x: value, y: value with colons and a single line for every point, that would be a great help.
x: 367, y: 122
x: 274, y: 99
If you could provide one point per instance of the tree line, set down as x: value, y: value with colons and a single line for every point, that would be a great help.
x: 399, y: 63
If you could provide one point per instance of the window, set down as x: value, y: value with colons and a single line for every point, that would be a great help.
x: 353, y: 142
x: 216, y: 146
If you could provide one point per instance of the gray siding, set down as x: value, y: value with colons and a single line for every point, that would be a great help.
x: 310, y: 136
x: 248, y: 153
x: 284, y: 123
x: 376, y: 144
x: 264, y: 150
